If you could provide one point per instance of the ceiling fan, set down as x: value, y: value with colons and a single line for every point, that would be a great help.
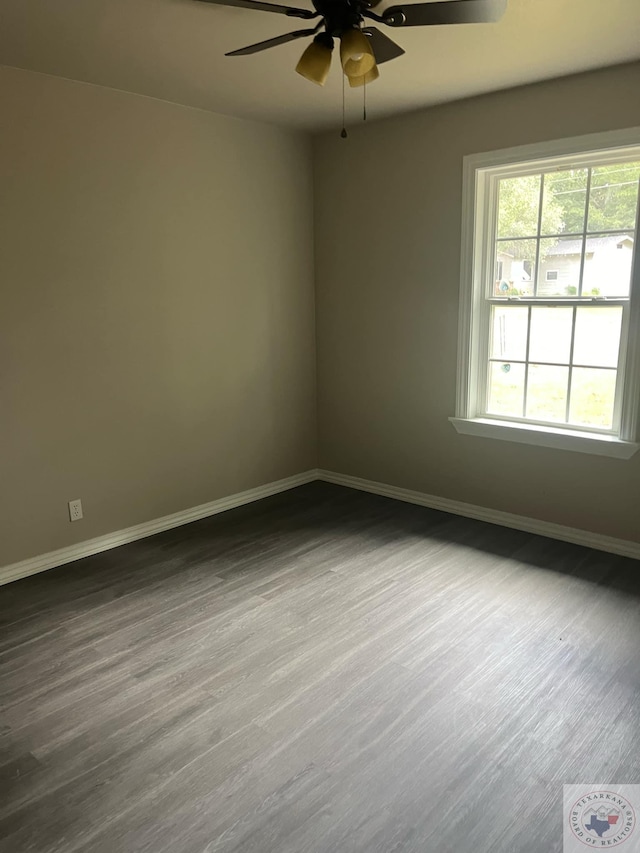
x: 362, y: 49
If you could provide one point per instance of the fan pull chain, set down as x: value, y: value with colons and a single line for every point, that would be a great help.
x: 364, y: 100
x: 343, y: 133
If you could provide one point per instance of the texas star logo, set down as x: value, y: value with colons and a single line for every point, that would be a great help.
x: 602, y: 819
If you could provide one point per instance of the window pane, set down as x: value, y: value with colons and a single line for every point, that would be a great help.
x: 614, y: 197
x: 551, y: 333
x: 592, y: 397
x: 607, y: 265
x: 515, y: 261
x: 597, y: 336
x: 559, y: 273
x: 509, y: 333
x: 506, y: 389
x: 518, y: 206
x: 547, y: 392
x: 564, y: 201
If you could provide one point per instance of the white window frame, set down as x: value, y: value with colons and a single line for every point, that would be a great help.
x: 553, y: 273
x: 478, y: 231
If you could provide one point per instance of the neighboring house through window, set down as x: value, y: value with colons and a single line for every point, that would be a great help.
x: 550, y: 303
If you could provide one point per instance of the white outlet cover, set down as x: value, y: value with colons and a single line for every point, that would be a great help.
x: 75, y: 510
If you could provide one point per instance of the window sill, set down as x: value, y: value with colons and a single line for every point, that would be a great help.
x: 561, y: 439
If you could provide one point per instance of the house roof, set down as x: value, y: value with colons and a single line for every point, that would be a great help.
x: 573, y: 246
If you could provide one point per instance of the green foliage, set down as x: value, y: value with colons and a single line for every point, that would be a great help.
x: 569, y: 192
x: 614, y: 197
x: 612, y: 206
x: 519, y: 205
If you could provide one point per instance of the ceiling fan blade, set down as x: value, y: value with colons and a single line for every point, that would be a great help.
x: 447, y: 12
x: 291, y: 11
x: 264, y: 45
x: 382, y: 46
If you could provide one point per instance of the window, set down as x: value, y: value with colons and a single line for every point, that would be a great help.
x: 549, y: 348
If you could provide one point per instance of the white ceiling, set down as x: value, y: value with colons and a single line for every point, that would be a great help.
x: 174, y: 49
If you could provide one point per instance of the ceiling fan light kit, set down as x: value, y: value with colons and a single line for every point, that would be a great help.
x: 369, y: 77
x: 362, y: 48
x: 315, y: 62
x: 356, y: 54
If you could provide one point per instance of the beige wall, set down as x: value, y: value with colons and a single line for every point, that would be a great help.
x: 157, y: 315
x: 156, y: 311
x: 388, y: 214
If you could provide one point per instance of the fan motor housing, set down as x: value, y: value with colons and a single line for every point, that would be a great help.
x: 341, y: 15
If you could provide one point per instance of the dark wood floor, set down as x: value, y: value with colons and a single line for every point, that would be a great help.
x: 323, y: 671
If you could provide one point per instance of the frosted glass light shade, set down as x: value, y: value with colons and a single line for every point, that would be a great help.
x: 315, y: 62
x: 367, y: 78
x: 355, y: 53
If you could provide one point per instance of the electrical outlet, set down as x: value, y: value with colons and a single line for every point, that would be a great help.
x: 75, y: 510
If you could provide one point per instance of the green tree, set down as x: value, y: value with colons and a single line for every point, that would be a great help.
x: 519, y: 206
x: 569, y: 192
x: 612, y: 205
x: 614, y: 197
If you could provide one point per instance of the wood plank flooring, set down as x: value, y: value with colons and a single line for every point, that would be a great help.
x: 323, y: 671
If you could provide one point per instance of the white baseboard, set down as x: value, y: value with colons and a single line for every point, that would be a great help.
x: 574, y: 535
x: 52, y: 559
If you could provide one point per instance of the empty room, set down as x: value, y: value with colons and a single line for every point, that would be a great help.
x: 319, y: 426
